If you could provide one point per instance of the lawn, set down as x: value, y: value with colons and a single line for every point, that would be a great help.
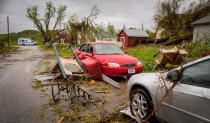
x: 145, y: 54
x: 63, y: 49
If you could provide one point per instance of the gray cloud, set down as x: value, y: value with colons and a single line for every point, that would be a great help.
x: 132, y: 13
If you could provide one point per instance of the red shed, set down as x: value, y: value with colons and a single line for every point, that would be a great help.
x: 132, y: 37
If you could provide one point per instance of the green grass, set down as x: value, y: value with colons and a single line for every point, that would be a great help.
x: 63, y: 49
x: 145, y: 54
x: 37, y: 85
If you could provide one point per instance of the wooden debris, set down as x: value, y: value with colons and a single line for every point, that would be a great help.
x: 69, y: 64
x: 173, y: 56
x: 61, y: 120
x: 175, y: 41
x: 55, y: 66
x: 162, y: 40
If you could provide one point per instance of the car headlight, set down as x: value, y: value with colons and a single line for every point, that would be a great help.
x: 113, y: 65
x: 139, y: 64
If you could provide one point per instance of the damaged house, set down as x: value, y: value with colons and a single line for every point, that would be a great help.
x: 201, y: 28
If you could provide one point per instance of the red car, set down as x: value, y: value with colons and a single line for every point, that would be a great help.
x: 108, y: 59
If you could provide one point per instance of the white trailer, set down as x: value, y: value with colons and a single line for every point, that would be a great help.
x: 26, y: 41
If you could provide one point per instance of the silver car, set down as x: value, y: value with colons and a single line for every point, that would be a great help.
x: 189, y: 101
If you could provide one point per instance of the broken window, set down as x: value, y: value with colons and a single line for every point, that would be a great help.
x: 89, y: 49
x: 83, y: 48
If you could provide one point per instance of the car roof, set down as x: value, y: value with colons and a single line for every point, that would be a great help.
x: 93, y: 43
x: 196, y: 61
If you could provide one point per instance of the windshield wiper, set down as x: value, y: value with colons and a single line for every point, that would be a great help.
x: 103, y: 54
x: 115, y: 53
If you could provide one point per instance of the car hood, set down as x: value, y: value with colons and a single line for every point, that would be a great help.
x: 120, y: 59
x: 146, y: 79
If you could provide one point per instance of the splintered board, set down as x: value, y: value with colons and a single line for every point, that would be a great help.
x: 69, y: 65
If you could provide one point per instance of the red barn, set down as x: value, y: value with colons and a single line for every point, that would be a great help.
x: 132, y: 37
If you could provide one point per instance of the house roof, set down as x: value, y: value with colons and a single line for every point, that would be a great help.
x: 105, y: 35
x: 135, y: 33
x: 202, y: 21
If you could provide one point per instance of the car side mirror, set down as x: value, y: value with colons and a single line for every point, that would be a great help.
x: 173, y: 75
x: 125, y: 52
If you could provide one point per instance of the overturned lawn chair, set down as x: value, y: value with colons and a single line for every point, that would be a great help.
x: 173, y: 56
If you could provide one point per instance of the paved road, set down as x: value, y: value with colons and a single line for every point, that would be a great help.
x: 18, y: 101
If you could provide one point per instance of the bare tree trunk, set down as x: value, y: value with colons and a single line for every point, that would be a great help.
x: 83, y: 31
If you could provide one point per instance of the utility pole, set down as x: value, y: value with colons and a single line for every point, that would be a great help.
x: 8, y: 29
x: 142, y: 26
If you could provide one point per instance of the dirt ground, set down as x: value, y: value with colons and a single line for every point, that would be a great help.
x: 111, y: 100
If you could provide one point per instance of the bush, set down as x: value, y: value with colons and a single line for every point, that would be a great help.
x: 194, y: 48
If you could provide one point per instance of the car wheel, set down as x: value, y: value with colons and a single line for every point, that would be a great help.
x: 140, y: 103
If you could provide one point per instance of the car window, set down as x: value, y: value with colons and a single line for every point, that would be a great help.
x: 198, y: 75
x: 83, y: 48
x: 107, y: 49
x: 89, y: 49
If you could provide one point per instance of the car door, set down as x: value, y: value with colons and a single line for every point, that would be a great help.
x: 189, y: 101
x: 91, y: 64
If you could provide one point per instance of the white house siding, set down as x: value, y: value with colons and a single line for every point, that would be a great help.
x: 200, y: 32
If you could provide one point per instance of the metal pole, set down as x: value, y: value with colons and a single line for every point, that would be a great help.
x: 8, y: 29
x: 59, y: 62
x: 142, y: 26
x: 79, y: 62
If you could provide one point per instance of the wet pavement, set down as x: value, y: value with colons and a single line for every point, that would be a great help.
x: 18, y: 101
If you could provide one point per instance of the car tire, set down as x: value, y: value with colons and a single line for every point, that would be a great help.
x: 140, y: 102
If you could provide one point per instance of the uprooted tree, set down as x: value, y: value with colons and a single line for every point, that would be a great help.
x: 44, y: 24
x: 111, y: 29
x: 83, y: 28
x: 175, y: 20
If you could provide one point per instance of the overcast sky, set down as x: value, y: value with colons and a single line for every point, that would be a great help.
x: 132, y: 13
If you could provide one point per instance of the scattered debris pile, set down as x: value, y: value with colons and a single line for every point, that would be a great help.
x: 172, y: 56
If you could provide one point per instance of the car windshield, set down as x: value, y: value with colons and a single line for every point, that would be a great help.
x: 107, y: 49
